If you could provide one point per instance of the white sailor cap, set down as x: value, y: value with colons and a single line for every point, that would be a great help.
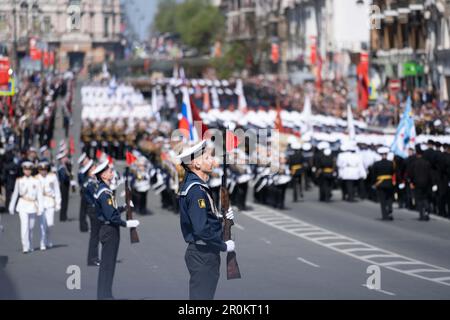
x: 191, y: 153
x: 88, y: 166
x: 61, y: 155
x: 383, y: 150
x: 44, y: 165
x: 327, y: 152
x: 101, y: 167
x: 32, y: 149
x: 27, y: 164
x: 323, y: 145
x: 295, y: 145
x: 307, y: 146
x: 43, y: 149
x: 82, y: 158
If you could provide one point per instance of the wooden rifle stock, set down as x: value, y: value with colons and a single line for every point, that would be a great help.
x: 134, y: 237
x: 233, y: 271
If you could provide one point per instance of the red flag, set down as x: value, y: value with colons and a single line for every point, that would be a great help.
x: 232, y: 141
x: 110, y: 160
x: 130, y: 158
x: 72, y: 146
x: 275, y: 53
x: 362, y: 72
x: 278, y: 120
x: 98, y: 154
x: 4, y: 71
x: 196, y: 117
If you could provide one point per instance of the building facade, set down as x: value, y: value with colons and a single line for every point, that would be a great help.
x: 412, y: 45
x: 80, y: 32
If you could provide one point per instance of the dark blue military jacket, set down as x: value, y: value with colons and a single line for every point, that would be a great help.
x: 199, y: 218
x: 107, y: 210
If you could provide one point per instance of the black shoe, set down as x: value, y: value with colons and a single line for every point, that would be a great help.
x: 94, y: 263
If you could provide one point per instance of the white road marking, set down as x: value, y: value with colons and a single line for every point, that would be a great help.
x: 239, y: 226
x: 379, y: 290
x: 309, y: 232
x: 308, y: 262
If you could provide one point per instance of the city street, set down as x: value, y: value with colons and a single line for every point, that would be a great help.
x: 276, y: 261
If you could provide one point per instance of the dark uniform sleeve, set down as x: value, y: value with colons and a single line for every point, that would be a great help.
x: 109, y: 212
x: 198, y: 214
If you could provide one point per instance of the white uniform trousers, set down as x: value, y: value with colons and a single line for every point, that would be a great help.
x: 46, y: 220
x: 26, y: 230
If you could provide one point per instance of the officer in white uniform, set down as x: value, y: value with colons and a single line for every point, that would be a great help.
x: 27, y: 200
x: 52, y: 201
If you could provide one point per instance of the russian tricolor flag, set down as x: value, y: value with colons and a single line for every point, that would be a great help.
x: 186, y: 122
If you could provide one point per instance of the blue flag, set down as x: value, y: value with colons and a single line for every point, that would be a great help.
x: 405, y: 138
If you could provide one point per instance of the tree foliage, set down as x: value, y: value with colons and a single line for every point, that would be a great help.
x: 198, y: 22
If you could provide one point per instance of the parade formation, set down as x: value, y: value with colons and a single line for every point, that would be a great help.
x: 159, y: 143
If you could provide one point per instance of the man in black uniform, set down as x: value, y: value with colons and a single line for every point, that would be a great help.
x: 421, y: 182
x: 109, y: 216
x: 201, y: 224
x: 326, y: 169
x: 383, y: 172
x: 64, y: 184
x: 82, y: 177
x: 297, y: 171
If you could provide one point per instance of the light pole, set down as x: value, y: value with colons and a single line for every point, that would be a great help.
x: 16, y: 58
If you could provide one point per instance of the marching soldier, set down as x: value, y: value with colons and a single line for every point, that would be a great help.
x: 140, y: 183
x: 383, y: 172
x: 27, y: 200
x: 89, y: 189
x: 52, y: 202
x: 82, y: 161
x: 64, y: 178
x: 201, y: 224
x: 109, y: 216
x: 326, y: 170
x: 421, y: 183
x: 297, y: 170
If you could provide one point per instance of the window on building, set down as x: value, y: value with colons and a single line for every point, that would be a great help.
x: 3, y: 24
x: 106, y: 27
x: 47, y: 25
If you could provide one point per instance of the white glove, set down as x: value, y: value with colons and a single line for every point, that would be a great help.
x: 132, y: 223
x: 230, y: 214
x: 73, y: 183
x: 401, y: 186
x: 131, y: 204
x: 11, y: 213
x: 230, y: 245
x: 435, y: 188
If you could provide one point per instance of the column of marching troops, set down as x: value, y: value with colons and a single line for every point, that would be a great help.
x: 36, y: 187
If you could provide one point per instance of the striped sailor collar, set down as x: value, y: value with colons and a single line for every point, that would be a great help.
x: 191, y: 180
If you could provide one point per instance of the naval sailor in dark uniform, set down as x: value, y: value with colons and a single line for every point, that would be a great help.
x: 88, y: 191
x: 201, y: 224
x: 383, y: 172
x: 109, y: 216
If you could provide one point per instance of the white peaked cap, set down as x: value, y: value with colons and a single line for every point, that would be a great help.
x: 383, y: 150
x: 192, y: 152
x: 101, y: 167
